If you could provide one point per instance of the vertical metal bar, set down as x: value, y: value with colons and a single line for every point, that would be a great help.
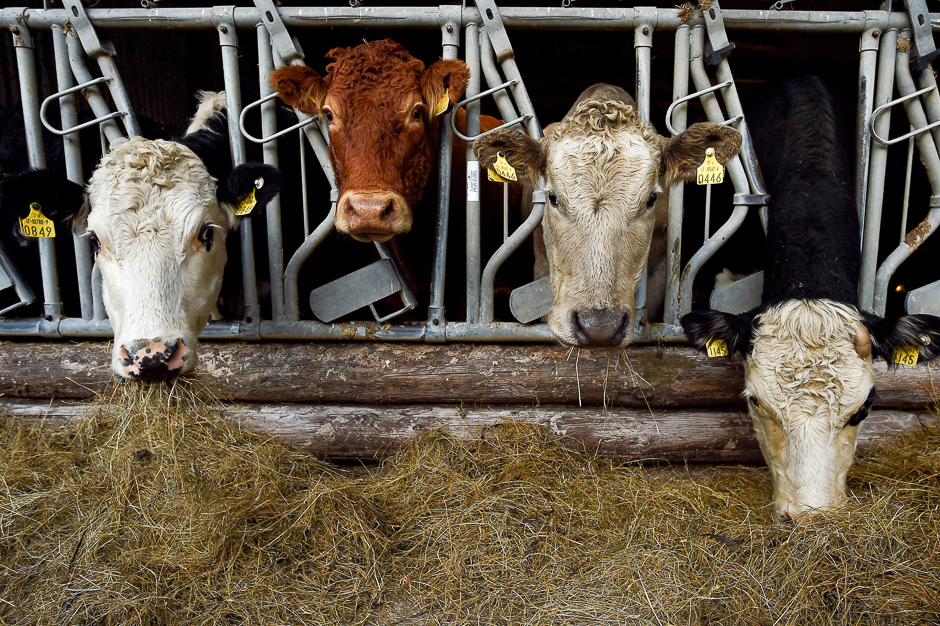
x: 867, y: 62
x: 905, y: 204
x: 98, y: 310
x: 680, y: 88
x: 450, y: 34
x: 92, y: 94
x: 884, y: 87
x: 73, y: 161
x: 273, y: 210
x: 472, y: 54
x: 491, y: 72
x: 228, y: 41
x: 643, y: 44
x: 29, y: 93
x: 119, y: 94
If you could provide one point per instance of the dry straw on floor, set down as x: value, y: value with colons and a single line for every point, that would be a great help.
x: 162, y: 512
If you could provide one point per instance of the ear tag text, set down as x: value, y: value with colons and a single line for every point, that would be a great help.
x: 906, y: 355
x: 716, y: 347
x: 493, y: 176
x: 246, y: 205
x: 442, y: 104
x: 502, y: 169
x: 711, y: 172
x: 36, y: 224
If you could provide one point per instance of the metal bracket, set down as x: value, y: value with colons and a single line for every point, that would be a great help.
x: 257, y: 103
x: 884, y: 107
x: 749, y: 199
x: 530, y: 302
x: 479, y: 96
x: 82, y: 26
x: 286, y: 46
x: 924, y: 48
x: 717, y: 36
x: 740, y: 296
x: 697, y: 94
x: 56, y: 96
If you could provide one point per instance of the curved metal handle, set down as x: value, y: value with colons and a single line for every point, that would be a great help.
x: 672, y: 106
x: 257, y: 103
x: 480, y: 96
x: 884, y: 107
x: 56, y: 96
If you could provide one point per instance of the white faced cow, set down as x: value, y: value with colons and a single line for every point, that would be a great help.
x: 602, y: 169
x: 808, y: 349
x: 157, y: 220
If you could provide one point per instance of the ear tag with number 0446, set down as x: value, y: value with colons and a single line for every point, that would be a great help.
x: 502, y: 171
x: 716, y: 347
x: 36, y: 224
x: 442, y: 104
x: 711, y: 172
x: 906, y: 355
x: 246, y: 205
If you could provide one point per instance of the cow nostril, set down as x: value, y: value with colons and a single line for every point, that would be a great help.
x: 599, y: 327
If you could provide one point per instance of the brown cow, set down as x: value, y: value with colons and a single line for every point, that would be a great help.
x: 382, y: 106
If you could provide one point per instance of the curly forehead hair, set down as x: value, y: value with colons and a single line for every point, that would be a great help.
x: 604, y: 116
x: 158, y: 162
x: 371, y: 59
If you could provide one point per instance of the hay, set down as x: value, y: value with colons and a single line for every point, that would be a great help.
x: 164, y: 513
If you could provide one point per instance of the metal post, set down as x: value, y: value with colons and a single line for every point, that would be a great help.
x: 92, y: 94
x: 643, y: 44
x: 472, y: 53
x: 29, y: 93
x: 680, y: 88
x: 867, y: 62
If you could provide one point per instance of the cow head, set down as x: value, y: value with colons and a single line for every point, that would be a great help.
x: 381, y: 105
x: 809, y: 384
x: 602, y: 169
x: 157, y: 222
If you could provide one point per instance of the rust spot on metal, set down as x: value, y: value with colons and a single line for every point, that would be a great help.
x: 904, y: 45
x: 918, y: 235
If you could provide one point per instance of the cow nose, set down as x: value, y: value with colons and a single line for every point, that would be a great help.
x: 600, y: 327
x: 154, y: 359
x: 371, y: 214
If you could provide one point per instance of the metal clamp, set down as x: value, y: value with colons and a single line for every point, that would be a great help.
x: 750, y: 199
x: 716, y: 35
x: 82, y: 26
x: 257, y: 103
x: 884, y: 107
x: 287, y: 47
x: 924, y: 48
x: 61, y: 94
x: 697, y: 94
x: 479, y: 96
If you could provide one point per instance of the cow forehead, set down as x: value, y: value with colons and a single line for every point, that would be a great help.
x: 381, y: 68
x: 617, y: 163
x: 804, y: 361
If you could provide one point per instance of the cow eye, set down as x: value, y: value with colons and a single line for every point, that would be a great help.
x: 754, y: 402
x: 652, y: 200
x: 865, y: 409
x: 416, y: 113
x: 328, y: 114
x: 93, y: 240
x: 553, y: 198
x: 206, y: 234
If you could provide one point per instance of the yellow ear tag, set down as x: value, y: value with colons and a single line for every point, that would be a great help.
x: 906, y: 355
x: 711, y: 172
x: 246, y: 205
x: 716, y: 347
x: 503, y: 169
x: 491, y: 175
x: 443, y: 103
x: 36, y: 224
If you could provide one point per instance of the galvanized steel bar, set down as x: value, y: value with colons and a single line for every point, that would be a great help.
x: 867, y: 64
x: 474, y: 263
x: 884, y: 87
x: 92, y: 94
x: 493, y: 79
x: 292, y: 272
x: 680, y: 88
x: 72, y: 153
x: 642, y: 45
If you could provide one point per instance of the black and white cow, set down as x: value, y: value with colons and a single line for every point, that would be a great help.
x: 808, y: 348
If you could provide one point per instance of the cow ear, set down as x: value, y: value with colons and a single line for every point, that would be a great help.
x: 890, y: 334
x: 300, y: 87
x: 702, y: 326
x: 59, y: 198
x: 519, y: 151
x: 249, y: 188
x: 444, y: 78
x: 683, y: 154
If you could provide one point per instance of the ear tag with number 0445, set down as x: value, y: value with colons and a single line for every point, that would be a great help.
x: 36, y: 224
x: 716, y: 347
x: 442, y: 104
x: 711, y: 172
x: 906, y: 355
x: 502, y: 171
x: 246, y: 205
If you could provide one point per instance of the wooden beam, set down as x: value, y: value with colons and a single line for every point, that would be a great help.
x: 399, y: 373
x: 365, y: 433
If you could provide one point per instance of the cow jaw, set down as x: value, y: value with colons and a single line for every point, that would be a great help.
x: 806, y: 380
x: 598, y: 231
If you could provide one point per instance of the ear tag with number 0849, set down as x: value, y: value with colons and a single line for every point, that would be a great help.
x: 36, y: 224
x: 906, y: 355
x: 711, y: 172
x: 502, y: 171
x: 716, y: 347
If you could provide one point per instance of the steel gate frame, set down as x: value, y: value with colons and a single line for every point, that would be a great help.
x: 878, y: 32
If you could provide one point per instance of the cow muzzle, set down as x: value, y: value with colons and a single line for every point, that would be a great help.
x: 154, y: 359
x: 373, y: 216
x: 600, y: 327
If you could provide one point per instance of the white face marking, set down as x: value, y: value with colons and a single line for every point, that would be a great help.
x: 149, y: 201
x: 597, y: 237
x: 808, y: 381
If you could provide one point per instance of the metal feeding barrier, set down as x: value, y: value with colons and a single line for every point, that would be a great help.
x: 480, y: 35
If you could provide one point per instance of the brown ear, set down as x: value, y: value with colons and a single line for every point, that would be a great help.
x: 300, y: 87
x: 684, y: 153
x: 450, y: 76
x: 521, y: 152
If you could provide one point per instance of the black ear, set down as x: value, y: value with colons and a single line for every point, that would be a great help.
x: 59, y: 198
x: 735, y: 330
x: 265, y: 180
x: 921, y: 332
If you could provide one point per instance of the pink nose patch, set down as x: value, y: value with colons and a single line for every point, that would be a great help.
x: 156, y: 360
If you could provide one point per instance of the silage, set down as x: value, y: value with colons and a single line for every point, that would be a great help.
x: 163, y: 512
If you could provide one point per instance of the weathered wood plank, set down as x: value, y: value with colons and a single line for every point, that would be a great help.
x: 345, y: 432
x: 381, y: 373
